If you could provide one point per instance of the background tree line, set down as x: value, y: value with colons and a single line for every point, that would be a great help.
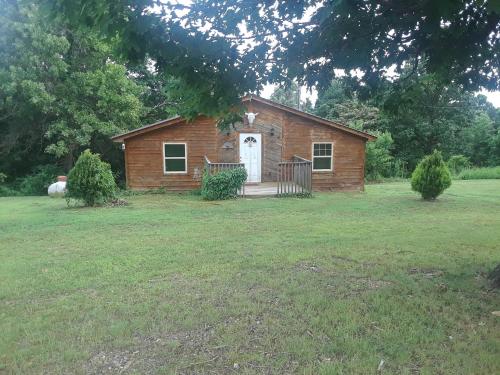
x: 63, y: 90
x: 411, y: 119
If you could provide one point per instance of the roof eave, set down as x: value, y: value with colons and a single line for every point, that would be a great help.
x: 146, y: 128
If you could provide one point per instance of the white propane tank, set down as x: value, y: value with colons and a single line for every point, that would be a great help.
x: 57, y: 189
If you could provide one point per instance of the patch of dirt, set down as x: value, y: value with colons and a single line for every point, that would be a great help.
x: 308, y: 267
x: 149, y: 353
x: 426, y: 272
x: 344, y: 259
x: 117, y: 203
x: 366, y: 283
x: 354, y: 285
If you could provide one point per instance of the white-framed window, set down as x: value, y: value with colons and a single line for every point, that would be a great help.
x: 174, y: 157
x: 322, y: 156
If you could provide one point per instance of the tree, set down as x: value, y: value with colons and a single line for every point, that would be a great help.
x: 60, y: 91
x: 329, y: 98
x: 159, y: 93
x: 201, y: 43
x: 431, y: 177
x: 423, y: 114
x: 479, y: 140
x: 101, y: 101
x: 30, y: 67
x: 378, y: 159
x: 289, y: 95
x: 457, y: 163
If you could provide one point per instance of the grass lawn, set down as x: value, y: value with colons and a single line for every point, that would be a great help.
x: 328, y: 285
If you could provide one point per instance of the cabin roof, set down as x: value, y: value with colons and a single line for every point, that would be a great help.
x: 177, y: 119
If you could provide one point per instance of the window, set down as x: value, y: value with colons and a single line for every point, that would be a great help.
x: 175, y: 158
x: 322, y: 156
x: 250, y: 141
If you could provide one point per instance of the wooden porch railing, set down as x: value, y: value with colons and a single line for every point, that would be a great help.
x: 295, y: 177
x: 214, y: 168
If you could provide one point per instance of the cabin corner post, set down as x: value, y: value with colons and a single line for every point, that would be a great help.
x: 125, y: 156
x: 363, y: 164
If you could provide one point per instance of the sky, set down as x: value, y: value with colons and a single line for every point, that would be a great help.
x: 493, y: 96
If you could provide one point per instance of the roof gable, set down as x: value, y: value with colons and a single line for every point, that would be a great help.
x: 177, y: 119
x: 309, y: 116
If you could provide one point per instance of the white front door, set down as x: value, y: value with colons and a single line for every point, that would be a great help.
x: 250, y: 155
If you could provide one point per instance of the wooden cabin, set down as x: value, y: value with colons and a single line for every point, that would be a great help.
x: 283, y: 149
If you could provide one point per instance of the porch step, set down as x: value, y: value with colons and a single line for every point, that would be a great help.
x: 264, y: 189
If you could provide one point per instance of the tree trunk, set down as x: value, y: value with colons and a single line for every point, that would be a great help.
x: 69, y: 158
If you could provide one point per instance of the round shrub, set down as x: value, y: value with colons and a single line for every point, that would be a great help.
x: 458, y: 163
x: 431, y: 177
x: 223, y: 185
x: 90, y: 180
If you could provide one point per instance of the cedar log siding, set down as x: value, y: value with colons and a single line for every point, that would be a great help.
x: 271, y: 145
x: 293, y: 135
x: 144, y: 155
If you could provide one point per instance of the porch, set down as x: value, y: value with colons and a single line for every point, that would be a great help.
x: 294, y: 178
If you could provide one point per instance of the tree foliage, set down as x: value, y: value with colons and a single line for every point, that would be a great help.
x: 424, y: 114
x: 420, y: 114
x: 289, y: 95
x: 457, y: 163
x: 431, y: 177
x: 60, y: 91
x: 202, y: 45
x: 379, y: 159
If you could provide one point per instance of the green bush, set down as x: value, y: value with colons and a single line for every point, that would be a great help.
x: 431, y: 176
x: 480, y: 173
x: 399, y: 169
x: 223, y: 185
x: 90, y: 180
x: 3, y: 177
x: 6, y: 191
x: 378, y: 159
x: 38, y: 182
x: 457, y: 163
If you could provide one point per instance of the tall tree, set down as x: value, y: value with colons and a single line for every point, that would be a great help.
x: 202, y: 43
x: 289, y: 95
x: 424, y: 114
x: 60, y: 90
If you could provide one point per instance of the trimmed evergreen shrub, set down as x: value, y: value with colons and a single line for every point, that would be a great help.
x: 431, y: 176
x: 90, y: 180
x: 223, y: 185
x: 457, y: 163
